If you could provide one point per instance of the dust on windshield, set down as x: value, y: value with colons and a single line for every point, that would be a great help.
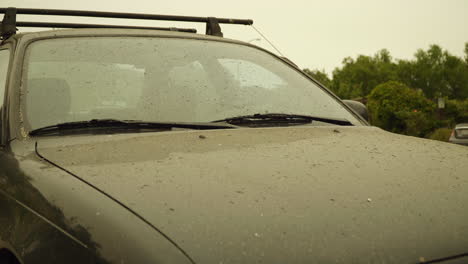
x: 162, y: 80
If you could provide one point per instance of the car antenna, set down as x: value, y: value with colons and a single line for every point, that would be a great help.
x: 269, y: 42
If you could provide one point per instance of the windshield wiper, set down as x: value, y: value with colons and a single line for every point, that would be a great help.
x: 126, y: 124
x: 449, y: 258
x: 278, y: 118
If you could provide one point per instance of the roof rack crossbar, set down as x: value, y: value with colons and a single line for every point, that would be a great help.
x: 61, y: 12
x: 212, y: 24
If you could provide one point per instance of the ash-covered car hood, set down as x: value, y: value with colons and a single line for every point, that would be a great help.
x: 284, y: 195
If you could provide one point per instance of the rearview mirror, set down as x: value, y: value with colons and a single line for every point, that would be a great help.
x: 358, y: 107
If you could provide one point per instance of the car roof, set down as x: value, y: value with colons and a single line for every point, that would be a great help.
x: 95, y: 32
x: 462, y: 125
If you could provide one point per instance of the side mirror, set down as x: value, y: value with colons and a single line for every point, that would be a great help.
x: 358, y: 107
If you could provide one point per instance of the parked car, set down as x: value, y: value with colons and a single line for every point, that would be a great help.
x: 460, y: 134
x: 152, y: 145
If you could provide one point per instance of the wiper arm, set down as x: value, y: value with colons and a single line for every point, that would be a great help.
x: 449, y: 258
x: 275, y: 118
x: 131, y: 124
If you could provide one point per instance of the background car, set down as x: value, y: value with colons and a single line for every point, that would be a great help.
x: 460, y: 134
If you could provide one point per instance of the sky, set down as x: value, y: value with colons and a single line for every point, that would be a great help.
x: 314, y: 34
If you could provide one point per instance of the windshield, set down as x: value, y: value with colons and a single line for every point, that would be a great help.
x: 162, y: 80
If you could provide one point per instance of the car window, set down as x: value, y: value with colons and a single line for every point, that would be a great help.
x: 4, y: 60
x: 95, y: 89
x: 249, y: 74
x: 162, y: 80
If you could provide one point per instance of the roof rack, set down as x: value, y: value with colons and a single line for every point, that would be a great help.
x: 9, y: 23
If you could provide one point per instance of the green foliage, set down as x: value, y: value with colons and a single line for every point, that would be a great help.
x: 436, y: 72
x: 456, y: 111
x: 441, y: 134
x: 395, y: 107
x: 385, y: 82
x: 466, y: 53
x: 416, y: 123
x: 358, y: 77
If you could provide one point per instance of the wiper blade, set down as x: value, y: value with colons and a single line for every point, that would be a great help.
x: 130, y: 124
x: 449, y: 258
x: 277, y: 118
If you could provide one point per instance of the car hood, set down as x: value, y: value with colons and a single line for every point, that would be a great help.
x: 284, y: 195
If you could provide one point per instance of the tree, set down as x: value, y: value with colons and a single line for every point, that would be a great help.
x: 431, y: 74
x: 456, y: 111
x: 437, y: 73
x: 397, y: 108
x: 358, y: 77
x: 466, y: 53
x: 320, y: 76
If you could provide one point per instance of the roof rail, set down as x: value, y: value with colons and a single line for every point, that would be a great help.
x: 74, y: 25
x: 9, y: 23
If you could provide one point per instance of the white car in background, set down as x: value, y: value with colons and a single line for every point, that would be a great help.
x: 460, y: 134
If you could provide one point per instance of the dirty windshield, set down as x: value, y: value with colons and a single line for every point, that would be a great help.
x: 162, y: 80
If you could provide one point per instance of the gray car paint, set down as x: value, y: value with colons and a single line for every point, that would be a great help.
x: 49, y: 215
x: 284, y: 195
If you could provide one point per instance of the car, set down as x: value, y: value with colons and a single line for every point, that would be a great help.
x: 460, y: 134
x: 126, y: 144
